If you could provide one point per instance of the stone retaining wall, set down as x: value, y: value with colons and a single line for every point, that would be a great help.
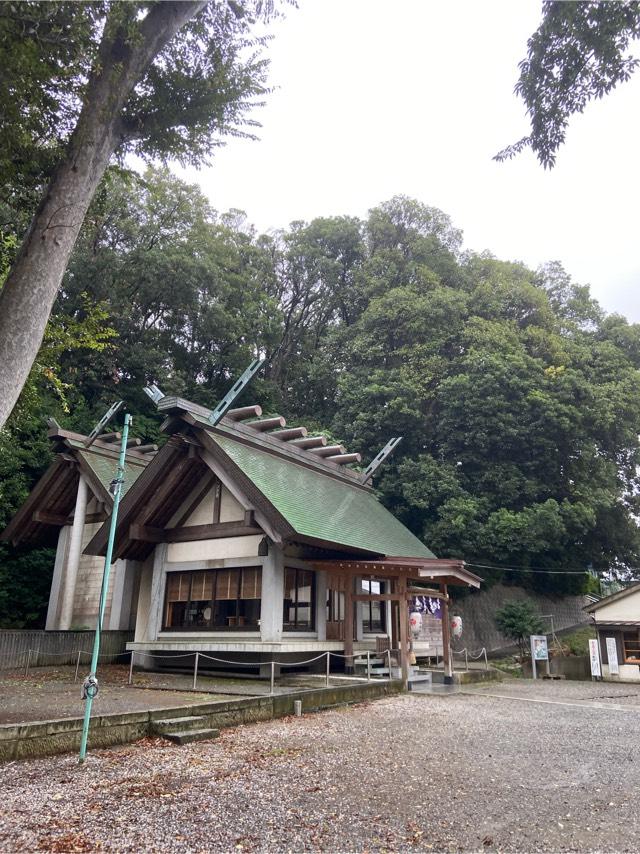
x: 43, y: 738
x: 478, y: 611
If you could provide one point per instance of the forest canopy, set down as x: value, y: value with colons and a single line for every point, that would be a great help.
x: 518, y: 398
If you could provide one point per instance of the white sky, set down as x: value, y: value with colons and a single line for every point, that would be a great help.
x: 376, y: 98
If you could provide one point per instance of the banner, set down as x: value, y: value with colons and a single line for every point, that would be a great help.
x: 594, y: 657
x: 612, y: 656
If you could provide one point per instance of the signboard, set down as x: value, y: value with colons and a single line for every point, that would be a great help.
x: 612, y: 656
x: 539, y: 652
x: 594, y: 657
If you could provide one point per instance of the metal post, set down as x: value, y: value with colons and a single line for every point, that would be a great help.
x: 195, y: 670
x: 75, y: 678
x: 91, y: 682
x: 273, y: 676
x: 486, y: 660
x: 466, y: 659
x: 328, y: 667
x: 534, y: 671
x: 389, y: 662
x: 368, y: 666
x: 26, y: 671
x: 131, y: 668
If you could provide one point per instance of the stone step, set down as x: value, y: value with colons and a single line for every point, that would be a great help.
x: 165, y: 725
x: 191, y: 735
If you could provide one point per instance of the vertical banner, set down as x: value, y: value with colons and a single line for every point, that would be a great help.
x: 594, y: 657
x: 612, y: 657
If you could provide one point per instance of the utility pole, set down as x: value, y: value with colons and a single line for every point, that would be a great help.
x: 90, y: 685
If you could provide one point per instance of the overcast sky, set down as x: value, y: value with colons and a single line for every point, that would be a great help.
x: 375, y: 98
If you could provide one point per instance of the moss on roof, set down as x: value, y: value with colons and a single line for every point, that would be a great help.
x: 105, y: 468
x: 323, y: 507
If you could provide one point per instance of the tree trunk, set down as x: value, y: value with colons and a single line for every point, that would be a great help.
x: 28, y: 295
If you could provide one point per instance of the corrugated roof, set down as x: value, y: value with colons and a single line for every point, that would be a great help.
x: 323, y: 507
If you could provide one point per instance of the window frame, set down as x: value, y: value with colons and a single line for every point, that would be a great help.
x: 633, y: 655
x: 295, y: 627
x: 210, y: 625
x: 367, y: 622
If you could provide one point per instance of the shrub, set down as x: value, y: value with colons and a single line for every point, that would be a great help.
x: 517, y: 620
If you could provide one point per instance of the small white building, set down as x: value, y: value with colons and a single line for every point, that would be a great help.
x: 617, y: 620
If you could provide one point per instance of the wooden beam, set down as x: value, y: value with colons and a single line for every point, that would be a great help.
x: 348, y: 624
x: 267, y: 423
x: 404, y: 633
x: 344, y: 459
x: 309, y: 442
x: 328, y: 451
x: 144, y: 449
x: 446, y: 639
x: 46, y: 518
x: 146, y: 533
x: 290, y: 433
x: 109, y: 437
x: 162, y: 492
x: 192, y: 533
x: 395, y: 597
x: 425, y: 591
x: 210, y: 532
x: 92, y: 518
x: 244, y: 412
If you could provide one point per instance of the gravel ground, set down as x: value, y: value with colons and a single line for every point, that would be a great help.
x: 456, y: 773
x: 565, y: 691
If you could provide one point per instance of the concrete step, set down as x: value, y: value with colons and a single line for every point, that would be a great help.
x: 420, y: 677
x: 191, y: 735
x: 165, y: 725
x: 465, y: 677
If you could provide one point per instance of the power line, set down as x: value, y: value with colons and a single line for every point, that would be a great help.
x: 529, y: 569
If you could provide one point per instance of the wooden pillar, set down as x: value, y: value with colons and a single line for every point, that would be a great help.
x: 348, y: 622
x: 446, y: 638
x: 404, y: 631
x: 393, y: 629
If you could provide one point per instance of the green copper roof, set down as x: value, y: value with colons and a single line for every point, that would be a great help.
x: 320, y: 506
x: 105, y: 468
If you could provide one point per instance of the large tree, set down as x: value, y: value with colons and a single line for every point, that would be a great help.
x: 579, y: 52
x: 87, y: 82
x: 517, y: 396
x: 518, y: 401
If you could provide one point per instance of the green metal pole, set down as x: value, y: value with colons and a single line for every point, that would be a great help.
x: 91, y: 682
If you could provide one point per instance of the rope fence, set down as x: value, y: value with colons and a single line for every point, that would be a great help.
x: 473, y: 656
x: 364, y: 657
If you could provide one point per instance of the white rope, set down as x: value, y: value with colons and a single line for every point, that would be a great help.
x: 76, y: 652
x: 480, y: 654
x: 166, y: 655
x: 470, y: 654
